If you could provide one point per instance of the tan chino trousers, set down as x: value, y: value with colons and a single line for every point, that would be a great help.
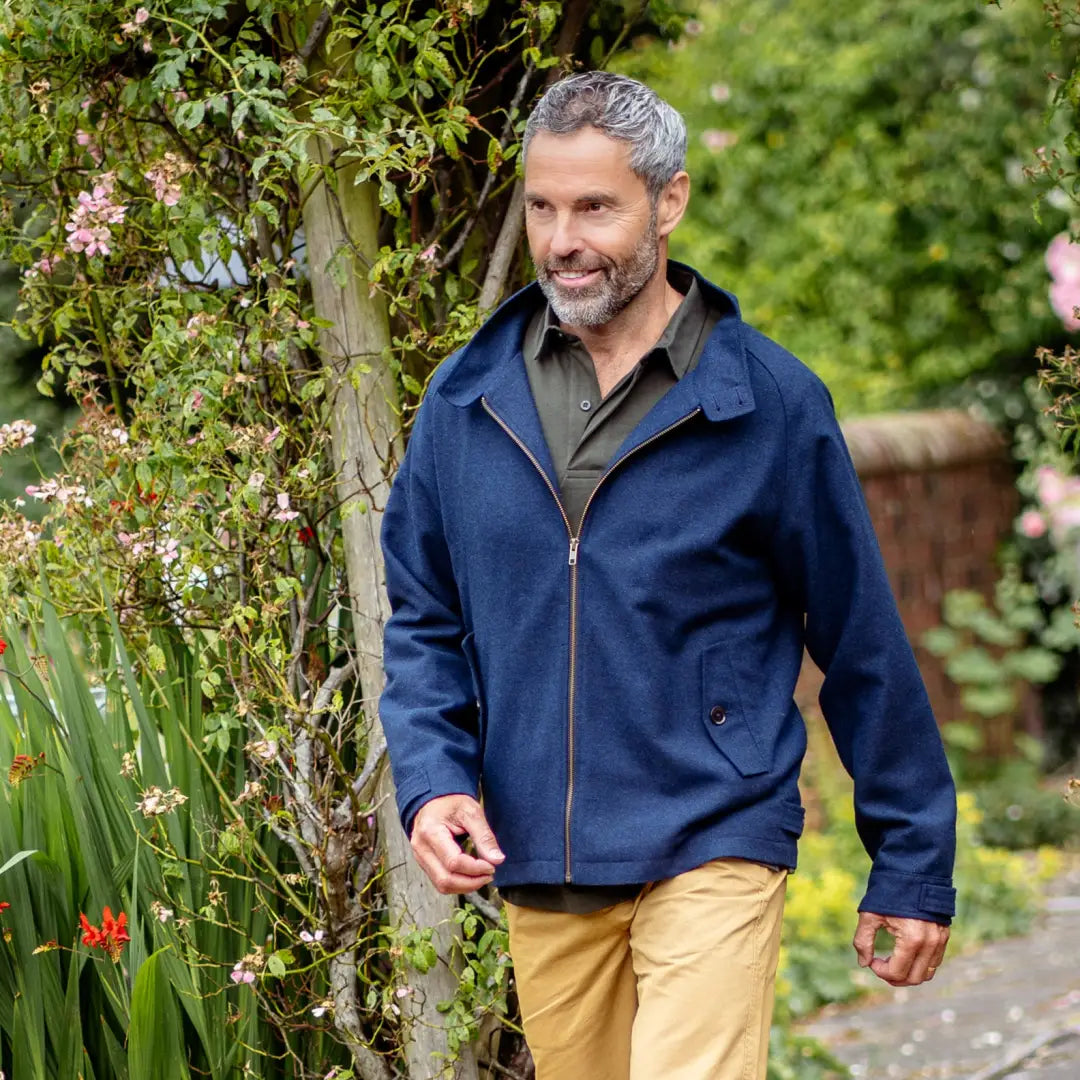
x: 676, y: 984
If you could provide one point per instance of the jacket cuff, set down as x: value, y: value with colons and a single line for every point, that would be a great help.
x: 909, y: 897
x: 417, y: 788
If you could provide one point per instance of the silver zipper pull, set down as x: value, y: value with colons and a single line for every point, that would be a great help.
x: 573, y: 550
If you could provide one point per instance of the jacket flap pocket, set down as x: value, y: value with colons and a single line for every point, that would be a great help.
x: 792, y: 818
x: 724, y: 715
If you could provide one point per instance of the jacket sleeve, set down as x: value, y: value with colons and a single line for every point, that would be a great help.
x: 873, y: 696
x: 428, y: 708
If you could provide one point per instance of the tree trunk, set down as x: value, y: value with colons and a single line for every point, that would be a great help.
x: 364, y: 431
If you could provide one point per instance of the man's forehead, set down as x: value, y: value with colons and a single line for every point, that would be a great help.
x: 586, y: 155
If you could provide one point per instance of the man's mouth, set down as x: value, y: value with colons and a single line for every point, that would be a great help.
x: 575, y: 279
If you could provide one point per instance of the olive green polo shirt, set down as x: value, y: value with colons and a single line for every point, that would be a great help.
x: 583, y: 432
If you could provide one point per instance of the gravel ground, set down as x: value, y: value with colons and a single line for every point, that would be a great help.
x: 1006, y: 1011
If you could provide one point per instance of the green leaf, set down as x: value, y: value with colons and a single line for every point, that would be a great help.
x: 940, y: 640
x: 155, y: 1044
x: 974, y: 665
x: 190, y: 114
x: 1034, y: 664
x: 989, y: 701
x: 15, y: 860
x: 380, y: 78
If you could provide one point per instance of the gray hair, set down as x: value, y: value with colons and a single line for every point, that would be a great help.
x: 621, y: 108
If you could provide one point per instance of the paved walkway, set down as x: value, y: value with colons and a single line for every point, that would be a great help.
x: 1006, y: 1011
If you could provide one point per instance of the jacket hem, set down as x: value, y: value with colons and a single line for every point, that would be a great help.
x: 599, y: 871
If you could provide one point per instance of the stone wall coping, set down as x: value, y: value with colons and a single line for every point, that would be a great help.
x: 917, y: 441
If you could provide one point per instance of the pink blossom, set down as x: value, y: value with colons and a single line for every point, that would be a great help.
x: 718, y: 140
x: 1066, y: 516
x: 53, y: 489
x: 428, y: 254
x: 17, y: 435
x: 168, y: 552
x: 141, y: 16
x: 240, y: 975
x: 720, y: 92
x: 197, y: 400
x: 284, y: 513
x: 165, y: 176
x: 270, y: 437
x: 302, y: 324
x: 1032, y: 524
x: 1050, y: 485
x: 1063, y: 258
x: 1064, y: 300
x: 93, y: 214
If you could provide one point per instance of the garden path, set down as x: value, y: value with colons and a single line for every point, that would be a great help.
x: 1009, y: 1010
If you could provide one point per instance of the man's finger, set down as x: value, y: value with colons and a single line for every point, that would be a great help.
x: 476, y: 823
x: 438, y: 840
x: 896, y: 968
x: 865, y: 932
x: 923, y: 966
x: 447, y: 881
x: 939, y: 949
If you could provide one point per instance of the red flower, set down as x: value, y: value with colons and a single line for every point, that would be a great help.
x: 4, y: 905
x: 112, y: 935
x: 3, y: 646
x: 306, y: 535
x: 22, y: 766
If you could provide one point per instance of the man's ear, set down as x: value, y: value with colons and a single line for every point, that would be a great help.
x: 671, y: 205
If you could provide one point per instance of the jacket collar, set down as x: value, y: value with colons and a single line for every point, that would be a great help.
x: 491, y: 365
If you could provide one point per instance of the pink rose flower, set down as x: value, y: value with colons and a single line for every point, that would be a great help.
x: 1032, y: 524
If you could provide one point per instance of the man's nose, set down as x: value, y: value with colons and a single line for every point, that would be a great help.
x: 565, y: 239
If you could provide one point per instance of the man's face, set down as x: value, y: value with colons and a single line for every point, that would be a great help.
x: 591, y: 225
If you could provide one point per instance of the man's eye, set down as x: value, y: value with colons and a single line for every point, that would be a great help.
x: 594, y: 207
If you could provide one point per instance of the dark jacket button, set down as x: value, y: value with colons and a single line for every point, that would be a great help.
x: 717, y: 714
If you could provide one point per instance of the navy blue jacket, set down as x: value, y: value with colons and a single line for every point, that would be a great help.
x: 623, y: 698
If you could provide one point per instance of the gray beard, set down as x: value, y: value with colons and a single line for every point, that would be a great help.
x: 595, y: 305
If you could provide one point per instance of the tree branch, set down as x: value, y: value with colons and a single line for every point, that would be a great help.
x: 315, y: 34
x: 489, y: 180
x: 502, y: 254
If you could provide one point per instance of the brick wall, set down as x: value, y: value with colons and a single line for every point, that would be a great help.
x: 939, y: 486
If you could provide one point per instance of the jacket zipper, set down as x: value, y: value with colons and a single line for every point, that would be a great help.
x: 575, y: 543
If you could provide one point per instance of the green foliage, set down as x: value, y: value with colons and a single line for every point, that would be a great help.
x: 860, y: 178
x: 1020, y: 813
x: 992, y: 653
x: 167, y: 1005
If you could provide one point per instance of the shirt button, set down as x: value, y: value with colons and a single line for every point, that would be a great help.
x: 717, y: 714
x: 586, y: 405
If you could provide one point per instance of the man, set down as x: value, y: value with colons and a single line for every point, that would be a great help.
x: 622, y: 515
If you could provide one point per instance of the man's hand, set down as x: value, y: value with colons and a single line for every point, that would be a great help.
x: 434, y: 828
x: 919, y: 949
